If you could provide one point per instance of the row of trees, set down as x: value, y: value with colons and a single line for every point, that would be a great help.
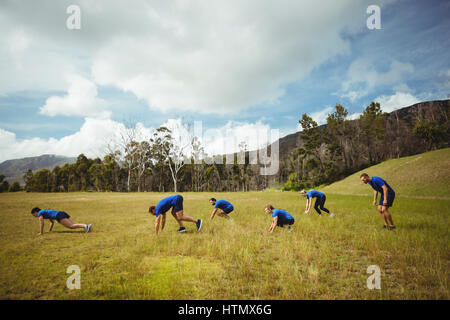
x: 166, y: 162
x: 6, y: 187
x: 160, y: 163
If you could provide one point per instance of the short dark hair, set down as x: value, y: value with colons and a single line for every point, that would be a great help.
x: 212, y: 199
x: 269, y: 206
x: 363, y: 175
x: 36, y: 209
x: 151, y: 209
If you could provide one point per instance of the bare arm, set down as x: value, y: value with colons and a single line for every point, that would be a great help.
x: 163, y: 221
x: 273, y: 225
x: 213, y: 213
x: 41, y: 224
x: 157, y: 222
x: 308, y: 205
x: 375, y: 194
x: 385, y: 191
x: 52, y: 223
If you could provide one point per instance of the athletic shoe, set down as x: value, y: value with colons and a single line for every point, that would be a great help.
x: 391, y: 227
x: 199, y: 224
x: 385, y: 227
x: 181, y: 230
x: 88, y: 228
x: 332, y: 215
x: 289, y: 229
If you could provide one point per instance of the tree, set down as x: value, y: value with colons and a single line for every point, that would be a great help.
x: 4, y: 185
x: 15, y: 187
x: 28, y: 178
x: 112, y: 170
x: 160, y: 148
x: 97, y: 173
x: 312, y: 141
x: 171, y: 151
x: 432, y: 133
x: 373, y: 129
x: 82, y: 168
x: 41, y: 181
x: 197, y: 154
x: 142, y: 156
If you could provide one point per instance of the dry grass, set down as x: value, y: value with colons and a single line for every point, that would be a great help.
x: 229, y: 259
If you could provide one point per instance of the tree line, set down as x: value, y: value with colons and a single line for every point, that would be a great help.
x: 324, y: 154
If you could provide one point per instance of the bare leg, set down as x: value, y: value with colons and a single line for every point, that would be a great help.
x: 380, y: 210
x: 69, y: 224
x: 178, y: 220
x: 387, y: 216
x: 182, y: 217
x: 222, y: 214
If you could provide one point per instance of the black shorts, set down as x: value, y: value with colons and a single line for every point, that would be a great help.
x: 61, y: 215
x: 282, y: 223
x: 227, y: 210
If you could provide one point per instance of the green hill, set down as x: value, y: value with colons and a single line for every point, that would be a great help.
x: 422, y: 175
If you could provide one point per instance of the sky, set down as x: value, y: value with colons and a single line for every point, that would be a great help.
x: 245, y: 70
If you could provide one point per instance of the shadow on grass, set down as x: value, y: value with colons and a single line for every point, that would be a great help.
x: 67, y: 231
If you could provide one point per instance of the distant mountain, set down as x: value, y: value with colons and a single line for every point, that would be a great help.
x: 13, y: 170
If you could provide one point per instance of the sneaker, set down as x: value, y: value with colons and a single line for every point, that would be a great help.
x: 181, y: 230
x: 88, y: 228
x: 385, y: 227
x: 289, y: 229
x: 332, y: 215
x: 391, y: 227
x: 199, y: 224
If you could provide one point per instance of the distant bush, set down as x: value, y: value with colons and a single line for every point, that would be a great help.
x: 15, y: 187
x: 4, y: 185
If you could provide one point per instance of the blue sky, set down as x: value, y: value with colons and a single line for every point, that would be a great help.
x: 237, y: 67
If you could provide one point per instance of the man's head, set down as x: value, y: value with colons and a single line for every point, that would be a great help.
x: 269, y: 209
x: 35, y: 211
x: 365, y: 178
x: 152, y: 210
x: 212, y: 201
x: 303, y: 193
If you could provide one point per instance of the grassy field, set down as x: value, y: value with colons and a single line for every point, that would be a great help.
x: 236, y: 259
x: 229, y: 259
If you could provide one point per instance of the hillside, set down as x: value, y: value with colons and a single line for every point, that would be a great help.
x: 13, y: 170
x: 422, y: 175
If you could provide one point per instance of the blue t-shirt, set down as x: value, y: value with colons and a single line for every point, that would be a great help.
x: 377, y: 183
x: 48, y: 214
x: 165, y: 204
x: 314, y: 194
x: 223, y: 204
x: 281, y: 214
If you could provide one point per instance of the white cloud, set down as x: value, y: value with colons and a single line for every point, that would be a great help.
x: 321, y: 116
x: 97, y: 136
x: 354, y: 116
x: 362, y: 78
x: 91, y: 139
x: 81, y: 100
x: 396, y: 101
x: 226, y: 139
x: 194, y: 55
